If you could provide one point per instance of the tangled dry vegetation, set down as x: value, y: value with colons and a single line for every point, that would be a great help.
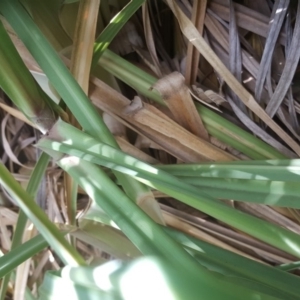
x: 184, y: 86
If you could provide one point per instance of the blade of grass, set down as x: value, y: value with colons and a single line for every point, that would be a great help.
x: 115, y: 25
x: 56, y: 71
x: 18, y: 255
x: 280, y: 170
x: 217, y: 126
x: 289, y: 266
x: 170, y: 282
x: 278, y: 193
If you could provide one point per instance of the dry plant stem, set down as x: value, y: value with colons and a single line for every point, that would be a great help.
x: 268, y: 214
x: 185, y: 227
x: 198, y: 41
x: 246, y: 244
x: 84, y: 38
x: 193, y: 56
x: 288, y: 71
x: 150, y: 40
x: 17, y: 114
x: 177, y: 97
x: 246, y: 18
x: 23, y: 269
x: 135, y: 152
x: 220, y: 33
x: 152, y: 123
x: 81, y: 59
x: 277, y: 17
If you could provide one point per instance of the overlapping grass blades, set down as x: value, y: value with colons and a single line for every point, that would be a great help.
x: 38, y: 217
x: 70, y: 91
x: 66, y: 139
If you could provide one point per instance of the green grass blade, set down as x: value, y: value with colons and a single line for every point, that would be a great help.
x: 112, y: 29
x: 278, y: 170
x: 79, y: 144
x: 289, y: 266
x: 228, y: 263
x: 65, y: 251
x: 32, y: 188
x: 15, y: 257
x: 278, y: 193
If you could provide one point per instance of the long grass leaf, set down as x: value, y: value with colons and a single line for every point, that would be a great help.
x: 278, y: 170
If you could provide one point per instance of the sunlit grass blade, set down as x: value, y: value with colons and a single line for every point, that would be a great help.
x: 68, y: 139
x: 278, y: 193
x: 280, y: 170
x: 112, y: 29
x: 65, y: 251
x: 21, y: 253
x: 167, y: 282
